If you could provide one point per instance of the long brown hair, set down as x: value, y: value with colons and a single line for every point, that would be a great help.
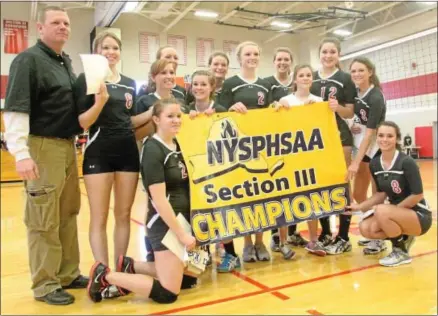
x: 297, y: 68
x: 374, y: 79
x: 101, y: 37
x: 157, y: 67
x: 397, y: 132
x: 160, y: 105
x: 160, y: 50
x: 211, y: 79
x: 334, y: 41
x: 221, y: 54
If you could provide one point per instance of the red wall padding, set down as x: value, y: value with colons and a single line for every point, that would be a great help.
x: 410, y: 87
x: 424, y: 139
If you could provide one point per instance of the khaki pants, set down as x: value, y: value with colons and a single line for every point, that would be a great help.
x: 53, y: 202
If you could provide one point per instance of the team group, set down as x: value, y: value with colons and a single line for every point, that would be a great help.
x: 117, y: 118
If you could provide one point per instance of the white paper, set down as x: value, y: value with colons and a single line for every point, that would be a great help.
x: 96, y: 70
x: 172, y: 242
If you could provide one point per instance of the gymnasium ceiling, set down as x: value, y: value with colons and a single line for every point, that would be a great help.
x: 325, y: 18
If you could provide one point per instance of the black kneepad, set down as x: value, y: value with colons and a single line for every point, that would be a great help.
x: 161, y: 295
x: 188, y: 282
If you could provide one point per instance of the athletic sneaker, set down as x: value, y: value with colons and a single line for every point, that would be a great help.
x: 275, y: 246
x: 125, y: 265
x: 316, y: 248
x: 338, y: 246
x: 297, y: 240
x: 249, y: 254
x: 409, y: 242
x: 228, y: 264
x: 261, y: 252
x: 395, y: 258
x: 97, y: 283
x: 363, y: 241
x: 111, y: 291
x: 375, y: 246
x: 220, y: 250
x: 325, y: 240
x: 287, y: 252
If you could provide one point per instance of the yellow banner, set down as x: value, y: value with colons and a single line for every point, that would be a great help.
x: 263, y: 169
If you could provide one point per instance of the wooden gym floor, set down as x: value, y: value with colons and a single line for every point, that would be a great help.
x: 345, y: 284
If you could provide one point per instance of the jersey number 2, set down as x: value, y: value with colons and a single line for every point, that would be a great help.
x: 260, y: 98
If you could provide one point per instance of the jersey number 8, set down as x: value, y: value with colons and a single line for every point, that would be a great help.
x: 395, y: 186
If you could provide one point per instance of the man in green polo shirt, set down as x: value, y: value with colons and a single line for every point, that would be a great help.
x: 41, y: 122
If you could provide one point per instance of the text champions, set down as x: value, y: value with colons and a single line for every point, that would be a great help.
x: 237, y: 220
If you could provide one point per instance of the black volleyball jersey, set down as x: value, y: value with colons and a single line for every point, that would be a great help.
x: 213, y: 105
x: 254, y: 95
x: 191, y: 98
x: 115, y: 116
x: 370, y: 108
x: 177, y: 91
x: 400, y: 181
x: 339, y: 85
x: 160, y: 164
x: 145, y: 102
x: 278, y: 90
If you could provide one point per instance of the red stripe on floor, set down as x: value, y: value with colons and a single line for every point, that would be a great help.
x: 259, y: 285
x: 233, y: 298
x: 314, y: 312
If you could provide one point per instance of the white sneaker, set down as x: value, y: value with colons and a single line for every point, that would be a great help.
x: 395, y: 258
x: 287, y: 252
x: 375, y: 246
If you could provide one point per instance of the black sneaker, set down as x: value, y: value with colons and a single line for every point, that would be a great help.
x: 80, y: 282
x: 125, y: 265
x: 325, y: 240
x: 57, y: 297
x: 297, y: 240
x: 97, y: 281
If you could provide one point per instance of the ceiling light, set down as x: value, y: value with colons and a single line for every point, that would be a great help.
x: 130, y: 6
x: 206, y: 14
x: 428, y: 2
x: 342, y: 32
x: 281, y: 24
x: 389, y: 44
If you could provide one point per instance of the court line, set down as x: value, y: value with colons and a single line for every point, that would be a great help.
x: 273, y: 289
x: 265, y: 289
x: 235, y: 273
x: 314, y: 312
x: 259, y: 285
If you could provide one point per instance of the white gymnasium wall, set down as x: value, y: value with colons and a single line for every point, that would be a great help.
x: 411, y: 93
x: 81, y: 22
x: 131, y: 25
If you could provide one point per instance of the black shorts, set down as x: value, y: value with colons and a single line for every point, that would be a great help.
x: 424, y: 217
x: 367, y: 158
x: 157, y: 231
x: 111, y: 153
x: 344, y: 133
